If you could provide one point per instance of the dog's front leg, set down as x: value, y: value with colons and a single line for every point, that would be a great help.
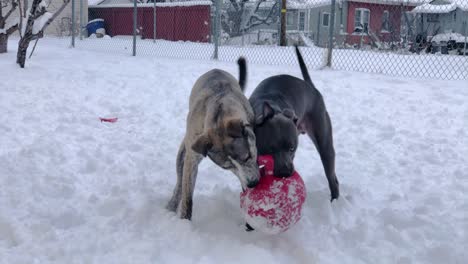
x: 189, y: 177
x: 175, y: 200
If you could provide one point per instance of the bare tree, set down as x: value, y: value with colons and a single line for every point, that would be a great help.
x: 38, y: 19
x: 7, y: 27
x: 243, y: 15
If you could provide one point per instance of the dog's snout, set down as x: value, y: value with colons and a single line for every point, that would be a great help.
x: 252, y: 183
x: 285, y: 171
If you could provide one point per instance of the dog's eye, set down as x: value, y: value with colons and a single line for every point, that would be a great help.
x: 291, y: 149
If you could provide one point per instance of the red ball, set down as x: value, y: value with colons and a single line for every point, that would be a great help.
x: 275, y: 204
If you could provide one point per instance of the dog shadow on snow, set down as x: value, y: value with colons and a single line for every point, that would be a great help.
x: 217, y: 214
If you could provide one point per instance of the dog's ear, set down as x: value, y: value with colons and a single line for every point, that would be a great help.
x: 235, y: 128
x: 289, y: 113
x: 265, y: 113
x: 202, y: 145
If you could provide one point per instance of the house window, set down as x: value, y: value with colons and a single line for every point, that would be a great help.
x: 455, y: 16
x: 361, y: 20
x: 325, y: 19
x: 290, y: 19
x: 432, y: 17
x: 386, y: 21
x: 301, y: 21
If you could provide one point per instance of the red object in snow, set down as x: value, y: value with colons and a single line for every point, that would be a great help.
x: 275, y: 204
x: 110, y: 120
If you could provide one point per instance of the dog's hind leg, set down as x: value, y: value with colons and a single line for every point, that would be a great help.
x: 189, y: 178
x: 174, y: 202
x: 319, y: 129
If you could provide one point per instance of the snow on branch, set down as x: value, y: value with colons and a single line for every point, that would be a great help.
x: 38, y: 19
x: 254, y: 19
x: 8, y: 27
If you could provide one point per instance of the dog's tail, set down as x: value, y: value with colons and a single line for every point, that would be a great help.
x: 242, y: 72
x: 305, y: 73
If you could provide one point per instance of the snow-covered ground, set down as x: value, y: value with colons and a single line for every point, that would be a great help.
x: 75, y: 190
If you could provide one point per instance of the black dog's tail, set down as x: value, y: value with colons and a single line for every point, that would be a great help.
x: 305, y: 73
x: 242, y: 72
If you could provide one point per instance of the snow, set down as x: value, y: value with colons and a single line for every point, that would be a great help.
x: 448, y: 36
x: 452, y: 5
x: 94, y: 2
x: 41, y: 21
x: 434, y: 9
x: 120, y: 3
x: 75, y: 190
x: 306, y: 4
x: 392, y: 2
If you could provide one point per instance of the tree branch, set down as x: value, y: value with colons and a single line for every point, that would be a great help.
x: 20, y: 19
x: 14, y: 4
x: 12, y: 29
x: 255, y: 20
x: 55, y: 15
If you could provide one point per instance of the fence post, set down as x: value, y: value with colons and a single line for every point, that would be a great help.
x: 283, y: 41
x: 279, y: 21
x: 464, y: 48
x: 81, y: 19
x: 319, y: 20
x: 73, y: 24
x: 216, y: 28
x: 331, y: 33
x: 134, y: 26
x: 154, y: 21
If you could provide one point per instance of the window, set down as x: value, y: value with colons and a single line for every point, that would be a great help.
x: 325, y: 19
x: 385, y: 21
x: 301, y: 21
x: 455, y: 16
x: 361, y: 20
x: 432, y: 17
x: 290, y: 19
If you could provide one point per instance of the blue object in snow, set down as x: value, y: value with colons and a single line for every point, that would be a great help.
x: 94, y: 25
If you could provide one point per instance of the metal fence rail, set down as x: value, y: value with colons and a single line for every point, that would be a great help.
x: 415, y: 38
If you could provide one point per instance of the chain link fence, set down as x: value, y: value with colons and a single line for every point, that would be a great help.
x: 415, y: 38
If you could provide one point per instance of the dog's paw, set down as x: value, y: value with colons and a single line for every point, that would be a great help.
x: 171, y: 206
x: 334, y: 197
x: 335, y: 191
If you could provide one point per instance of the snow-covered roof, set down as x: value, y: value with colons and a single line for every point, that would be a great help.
x: 129, y: 3
x: 306, y: 4
x: 392, y: 2
x: 434, y: 8
x: 94, y: 2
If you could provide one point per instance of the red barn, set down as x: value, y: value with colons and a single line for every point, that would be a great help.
x: 179, y: 21
x: 376, y: 21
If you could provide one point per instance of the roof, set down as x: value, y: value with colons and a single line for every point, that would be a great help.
x: 392, y: 2
x: 142, y: 3
x: 307, y: 4
x: 441, y: 7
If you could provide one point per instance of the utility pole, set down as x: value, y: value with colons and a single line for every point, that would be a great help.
x: 283, y: 23
x: 331, y: 33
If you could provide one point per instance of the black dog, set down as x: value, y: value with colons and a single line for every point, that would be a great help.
x: 285, y: 106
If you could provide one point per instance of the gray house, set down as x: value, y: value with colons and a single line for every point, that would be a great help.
x: 442, y: 17
x: 306, y: 21
x: 312, y: 17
